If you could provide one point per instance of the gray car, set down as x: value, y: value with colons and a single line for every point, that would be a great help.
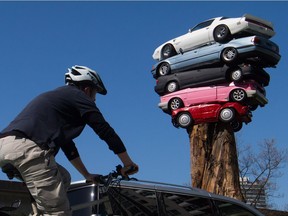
x: 210, y: 76
x: 145, y: 198
x: 258, y: 50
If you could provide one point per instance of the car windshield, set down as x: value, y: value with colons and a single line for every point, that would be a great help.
x: 201, y: 25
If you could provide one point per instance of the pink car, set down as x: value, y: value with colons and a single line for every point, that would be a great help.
x: 248, y: 92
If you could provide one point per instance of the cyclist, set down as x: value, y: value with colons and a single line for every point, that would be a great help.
x: 49, y: 122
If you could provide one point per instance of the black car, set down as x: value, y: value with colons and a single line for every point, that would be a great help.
x: 129, y: 198
x: 209, y: 76
x: 145, y: 198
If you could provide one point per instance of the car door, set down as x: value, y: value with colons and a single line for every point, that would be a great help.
x: 200, y: 95
x: 196, y: 37
x: 193, y: 78
x: 223, y: 92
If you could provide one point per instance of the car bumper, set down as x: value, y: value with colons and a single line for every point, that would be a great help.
x: 268, y: 58
x: 163, y: 106
x: 258, y: 96
x: 159, y: 88
x: 256, y: 73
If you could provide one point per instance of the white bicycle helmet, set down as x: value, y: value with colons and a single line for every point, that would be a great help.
x: 81, y: 74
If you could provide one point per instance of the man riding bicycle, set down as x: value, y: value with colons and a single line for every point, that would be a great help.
x: 49, y: 122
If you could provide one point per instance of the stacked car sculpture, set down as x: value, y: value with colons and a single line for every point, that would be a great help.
x: 215, y: 71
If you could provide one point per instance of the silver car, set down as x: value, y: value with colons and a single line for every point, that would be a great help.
x: 253, y: 49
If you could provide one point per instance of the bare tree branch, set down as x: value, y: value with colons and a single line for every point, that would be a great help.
x: 263, y: 168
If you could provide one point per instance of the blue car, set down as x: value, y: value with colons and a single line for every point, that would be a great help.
x: 253, y: 49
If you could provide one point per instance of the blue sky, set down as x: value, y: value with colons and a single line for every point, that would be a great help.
x: 40, y: 40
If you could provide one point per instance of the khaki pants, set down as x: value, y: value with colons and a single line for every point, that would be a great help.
x: 47, y: 181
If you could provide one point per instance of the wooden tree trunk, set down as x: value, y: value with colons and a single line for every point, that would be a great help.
x: 214, y: 161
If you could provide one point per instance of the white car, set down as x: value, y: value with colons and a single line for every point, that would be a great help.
x: 220, y: 29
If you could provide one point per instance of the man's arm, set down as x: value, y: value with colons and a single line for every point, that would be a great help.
x: 97, y: 122
x: 78, y: 164
x: 73, y: 156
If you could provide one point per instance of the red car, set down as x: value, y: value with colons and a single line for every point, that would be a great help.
x: 229, y: 112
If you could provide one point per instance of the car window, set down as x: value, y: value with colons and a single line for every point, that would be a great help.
x: 223, y: 18
x: 82, y: 200
x: 201, y: 25
x: 127, y: 201
x: 229, y: 209
x: 179, y: 204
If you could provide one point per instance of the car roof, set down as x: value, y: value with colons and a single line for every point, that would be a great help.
x: 149, y: 185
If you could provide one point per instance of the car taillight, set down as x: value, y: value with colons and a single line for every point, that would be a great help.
x: 256, y: 40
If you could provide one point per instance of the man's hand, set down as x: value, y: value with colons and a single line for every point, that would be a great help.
x: 129, y: 170
x: 130, y: 167
x: 93, y: 178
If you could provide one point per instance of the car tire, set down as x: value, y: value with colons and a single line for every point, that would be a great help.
x: 238, y: 95
x: 168, y: 51
x: 164, y: 69
x: 172, y: 86
x: 229, y: 55
x: 236, y: 75
x: 221, y: 34
x: 184, y: 120
x: 175, y: 103
x: 227, y: 115
x: 236, y: 125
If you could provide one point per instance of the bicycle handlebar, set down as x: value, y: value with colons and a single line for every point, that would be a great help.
x: 106, y: 179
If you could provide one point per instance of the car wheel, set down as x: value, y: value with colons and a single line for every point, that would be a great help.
x: 227, y: 114
x: 164, y: 69
x: 236, y: 75
x: 184, y: 120
x: 238, y: 95
x: 221, y: 33
x: 172, y: 87
x: 236, y: 125
x: 175, y: 103
x: 168, y: 51
x: 229, y: 55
